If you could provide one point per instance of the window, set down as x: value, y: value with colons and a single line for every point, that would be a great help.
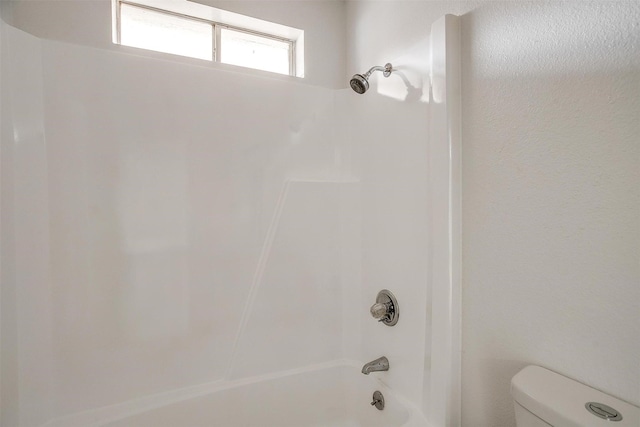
x: 249, y: 50
x: 191, y: 29
x: 148, y: 29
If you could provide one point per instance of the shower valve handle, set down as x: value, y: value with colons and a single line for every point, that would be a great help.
x: 380, y: 311
x: 386, y: 308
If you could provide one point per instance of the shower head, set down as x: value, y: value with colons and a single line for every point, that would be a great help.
x: 360, y: 82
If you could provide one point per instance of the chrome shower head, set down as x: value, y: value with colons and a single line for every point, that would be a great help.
x: 360, y: 82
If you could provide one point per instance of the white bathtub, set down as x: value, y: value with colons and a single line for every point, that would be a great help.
x: 338, y: 396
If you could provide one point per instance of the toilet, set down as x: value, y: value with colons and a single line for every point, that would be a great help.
x: 543, y: 398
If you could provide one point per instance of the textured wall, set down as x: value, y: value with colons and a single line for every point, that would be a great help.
x: 551, y: 199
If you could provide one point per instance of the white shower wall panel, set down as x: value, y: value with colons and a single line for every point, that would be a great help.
x: 297, y: 317
x: 204, y: 226
x: 153, y: 198
x: 26, y: 343
x: 389, y: 150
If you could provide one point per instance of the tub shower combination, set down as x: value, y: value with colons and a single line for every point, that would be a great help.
x: 165, y: 280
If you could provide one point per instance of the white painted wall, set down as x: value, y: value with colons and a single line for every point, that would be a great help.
x: 550, y: 184
x: 88, y: 22
x: 551, y: 199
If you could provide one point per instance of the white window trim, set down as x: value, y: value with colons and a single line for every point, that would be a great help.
x: 219, y: 18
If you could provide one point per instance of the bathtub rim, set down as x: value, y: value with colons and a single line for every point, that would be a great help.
x: 112, y: 413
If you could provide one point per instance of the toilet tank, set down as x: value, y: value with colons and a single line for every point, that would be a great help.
x: 543, y: 398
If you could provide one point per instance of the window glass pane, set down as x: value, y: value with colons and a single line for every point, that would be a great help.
x: 249, y: 50
x: 162, y: 32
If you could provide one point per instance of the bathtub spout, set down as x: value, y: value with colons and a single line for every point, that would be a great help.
x: 380, y: 364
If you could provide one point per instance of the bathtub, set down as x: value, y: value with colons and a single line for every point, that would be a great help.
x: 326, y: 396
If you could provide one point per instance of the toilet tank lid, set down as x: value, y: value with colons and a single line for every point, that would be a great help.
x: 560, y: 401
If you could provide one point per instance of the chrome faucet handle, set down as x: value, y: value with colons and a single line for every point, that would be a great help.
x: 386, y: 308
x: 380, y: 311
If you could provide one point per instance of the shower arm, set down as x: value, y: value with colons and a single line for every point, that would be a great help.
x: 386, y: 70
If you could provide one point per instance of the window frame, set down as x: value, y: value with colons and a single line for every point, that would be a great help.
x: 216, y: 26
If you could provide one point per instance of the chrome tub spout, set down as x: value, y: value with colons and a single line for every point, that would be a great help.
x: 380, y: 364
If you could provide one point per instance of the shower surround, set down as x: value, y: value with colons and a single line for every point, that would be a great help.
x: 172, y: 231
